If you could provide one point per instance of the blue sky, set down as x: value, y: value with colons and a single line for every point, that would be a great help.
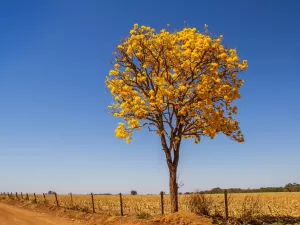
x: 55, y: 132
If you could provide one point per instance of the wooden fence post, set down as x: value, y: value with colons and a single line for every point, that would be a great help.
x: 162, y: 202
x: 27, y: 197
x: 34, y: 198
x: 93, y: 204
x: 21, y: 195
x: 226, y: 204
x: 8, y: 194
x: 11, y: 195
x: 16, y: 195
x: 57, y: 204
x: 121, y: 204
x: 71, y: 198
x: 44, y: 198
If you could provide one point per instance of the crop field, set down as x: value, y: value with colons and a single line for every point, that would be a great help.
x: 258, y: 204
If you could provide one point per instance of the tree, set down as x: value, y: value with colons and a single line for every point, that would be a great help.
x: 133, y: 192
x: 292, y: 187
x: 179, y: 84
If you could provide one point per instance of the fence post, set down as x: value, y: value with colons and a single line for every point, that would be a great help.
x: 71, y: 198
x: 44, y: 197
x: 16, y: 195
x: 21, y: 195
x: 121, y: 204
x: 93, y: 202
x: 56, y: 199
x: 7, y: 194
x: 162, y: 202
x: 27, y: 197
x: 226, y: 204
x: 11, y: 194
x: 34, y: 198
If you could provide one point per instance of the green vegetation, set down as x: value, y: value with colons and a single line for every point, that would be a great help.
x: 287, y: 188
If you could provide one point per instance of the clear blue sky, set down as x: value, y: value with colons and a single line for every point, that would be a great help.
x: 55, y: 132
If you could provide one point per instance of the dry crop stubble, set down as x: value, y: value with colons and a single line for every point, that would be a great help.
x: 259, y: 204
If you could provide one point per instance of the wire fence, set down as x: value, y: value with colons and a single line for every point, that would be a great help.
x: 111, y: 204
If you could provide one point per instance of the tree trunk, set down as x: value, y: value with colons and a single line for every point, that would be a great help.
x: 173, y: 188
x: 172, y: 165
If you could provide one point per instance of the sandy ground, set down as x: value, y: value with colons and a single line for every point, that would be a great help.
x: 24, y: 213
x: 10, y: 215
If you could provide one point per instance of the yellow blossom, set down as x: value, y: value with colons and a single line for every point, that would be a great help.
x: 194, y: 79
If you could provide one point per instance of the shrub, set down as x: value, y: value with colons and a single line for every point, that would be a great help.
x: 143, y: 215
x: 251, y: 207
x: 200, y: 204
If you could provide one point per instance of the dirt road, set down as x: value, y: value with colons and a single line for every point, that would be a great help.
x: 10, y: 215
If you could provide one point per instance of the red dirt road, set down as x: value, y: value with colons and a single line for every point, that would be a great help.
x: 10, y: 215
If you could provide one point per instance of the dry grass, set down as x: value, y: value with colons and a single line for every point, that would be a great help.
x: 240, y: 205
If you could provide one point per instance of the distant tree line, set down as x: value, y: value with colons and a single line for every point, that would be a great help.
x: 290, y: 187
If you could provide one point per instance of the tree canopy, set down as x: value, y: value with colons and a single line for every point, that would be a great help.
x: 179, y: 84
x: 133, y: 192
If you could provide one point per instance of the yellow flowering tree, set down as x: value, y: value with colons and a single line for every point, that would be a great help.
x: 179, y: 84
